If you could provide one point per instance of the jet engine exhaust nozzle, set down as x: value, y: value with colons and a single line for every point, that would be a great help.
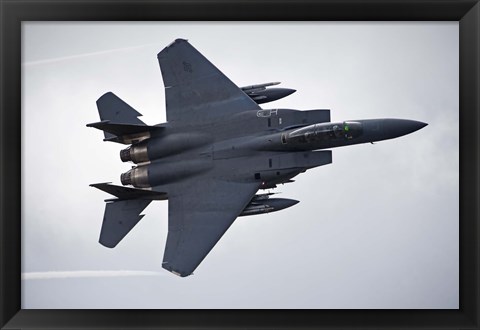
x: 126, y: 178
x: 136, y: 153
x: 137, y: 177
x: 125, y: 155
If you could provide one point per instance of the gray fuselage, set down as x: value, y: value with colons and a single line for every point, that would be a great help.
x: 273, y: 145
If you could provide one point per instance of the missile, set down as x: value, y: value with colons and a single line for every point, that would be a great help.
x: 259, y: 86
x: 262, y: 196
x: 261, y: 206
x: 261, y: 94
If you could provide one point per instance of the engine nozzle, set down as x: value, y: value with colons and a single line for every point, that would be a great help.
x: 125, y: 155
x: 136, y: 153
x: 126, y: 178
x: 137, y: 177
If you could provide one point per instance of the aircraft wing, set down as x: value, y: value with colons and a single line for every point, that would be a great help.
x: 195, y: 90
x: 199, y: 213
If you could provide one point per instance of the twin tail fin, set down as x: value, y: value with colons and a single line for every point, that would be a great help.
x: 120, y: 122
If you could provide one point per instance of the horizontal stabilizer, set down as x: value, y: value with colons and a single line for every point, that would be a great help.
x: 119, y: 218
x: 125, y: 133
x: 123, y: 193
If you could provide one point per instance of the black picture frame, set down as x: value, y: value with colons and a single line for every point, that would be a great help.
x: 13, y: 12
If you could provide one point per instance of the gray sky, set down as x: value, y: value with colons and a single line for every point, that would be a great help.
x: 377, y: 228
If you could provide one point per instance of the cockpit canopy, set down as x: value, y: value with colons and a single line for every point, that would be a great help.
x: 325, y: 131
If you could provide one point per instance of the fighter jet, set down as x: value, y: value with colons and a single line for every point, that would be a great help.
x: 217, y: 149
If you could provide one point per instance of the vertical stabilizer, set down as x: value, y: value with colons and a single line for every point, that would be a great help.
x: 120, y: 217
x: 112, y: 108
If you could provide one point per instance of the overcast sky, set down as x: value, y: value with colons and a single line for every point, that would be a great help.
x: 377, y: 228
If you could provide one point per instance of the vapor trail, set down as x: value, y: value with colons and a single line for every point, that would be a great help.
x: 87, y: 273
x: 73, y: 57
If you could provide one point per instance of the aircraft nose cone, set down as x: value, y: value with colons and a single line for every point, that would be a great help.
x: 397, y: 127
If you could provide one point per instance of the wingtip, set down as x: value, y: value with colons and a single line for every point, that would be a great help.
x: 175, y: 272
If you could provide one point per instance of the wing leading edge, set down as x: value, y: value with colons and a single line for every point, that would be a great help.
x: 195, y: 90
x: 200, y: 212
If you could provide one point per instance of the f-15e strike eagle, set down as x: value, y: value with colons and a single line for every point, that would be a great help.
x: 217, y: 149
